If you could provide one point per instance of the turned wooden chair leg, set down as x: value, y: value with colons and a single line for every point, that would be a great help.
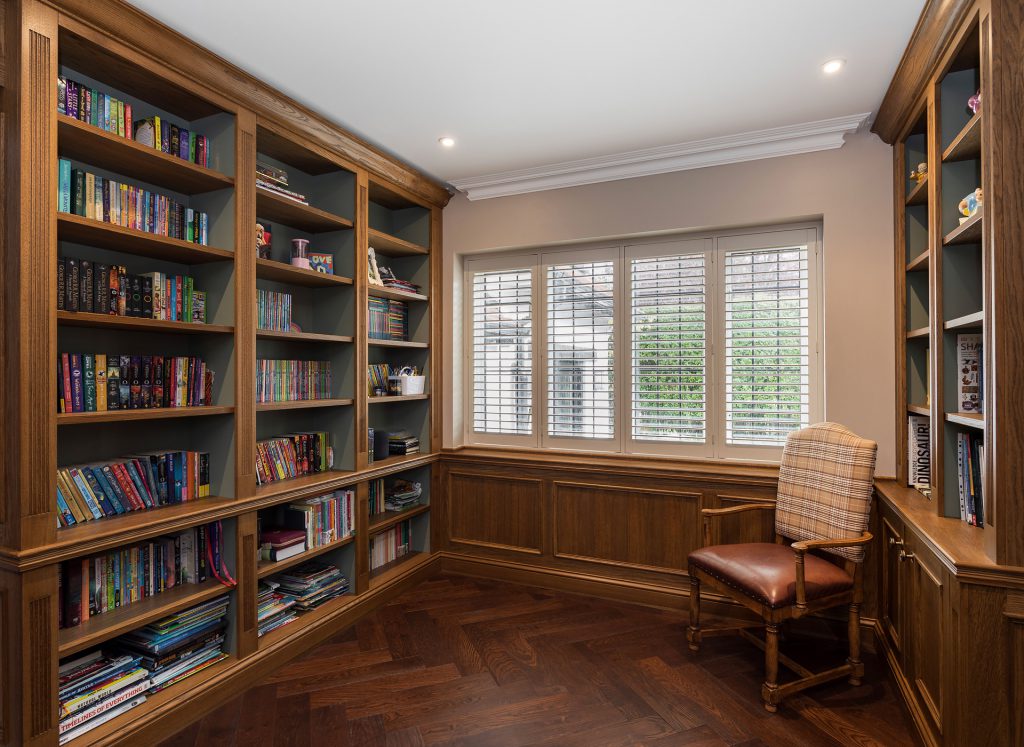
x: 769, y: 692
x: 693, y: 631
x: 856, y: 665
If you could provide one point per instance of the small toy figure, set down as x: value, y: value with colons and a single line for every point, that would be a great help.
x: 920, y: 173
x: 974, y: 103
x: 262, y: 242
x: 970, y: 204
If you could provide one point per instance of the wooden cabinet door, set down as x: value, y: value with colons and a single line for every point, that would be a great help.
x: 929, y: 608
x: 892, y: 611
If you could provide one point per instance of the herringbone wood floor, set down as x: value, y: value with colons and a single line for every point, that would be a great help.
x: 471, y: 662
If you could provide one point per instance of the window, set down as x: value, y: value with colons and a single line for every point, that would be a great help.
x: 703, y: 346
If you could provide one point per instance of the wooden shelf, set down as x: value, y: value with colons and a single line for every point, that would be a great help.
x: 967, y: 144
x: 919, y: 410
x: 278, y: 209
x: 919, y: 263
x: 381, y: 291
x: 269, y: 334
x: 392, y: 246
x: 325, y: 481
x: 968, y: 232
x: 269, y: 269
x: 302, y: 404
x: 308, y: 619
x: 155, y: 413
x: 920, y: 332
x: 396, y: 343
x: 388, y: 519
x: 86, y: 319
x: 397, y: 463
x: 968, y: 321
x: 270, y: 567
x: 405, y: 564
x: 969, y: 419
x: 111, y: 624
x: 81, y: 230
x: 91, y: 145
x: 396, y: 398
x: 919, y: 194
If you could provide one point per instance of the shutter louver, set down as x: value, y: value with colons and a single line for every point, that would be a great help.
x: 580, y: 369
x: 669, y: 374
x: 503, y: 352
x: 767, y: 345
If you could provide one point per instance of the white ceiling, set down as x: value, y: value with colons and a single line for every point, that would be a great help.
x: 533, y: 82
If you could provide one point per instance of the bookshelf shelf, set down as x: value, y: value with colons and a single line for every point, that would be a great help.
x: 919, y: 410
x: 398, y: 463
x: 968, y: 232
x: 303, y: 217
x: 919, y: 333
x: 396, y: 398
x: 968, y: 419
x: 380, y: 291
x: 111, y: 624
x: 324, y: 481
x: 302, y: 404
x: 405, y: 564
x: 919, y: 194
x: 139, y: 324
x: 388, y: 519
x: 268, y: 334
x: 82, y: 230
x: 156, y: 413
x: 968, y: 321
x: 269, y: 269
x: 396, y: 343
x: 967, y: 144
x: 392, y: 246
x: 306, y: 620
x: 89, y: 144
x: 270, y: 567
x: 920, y: 262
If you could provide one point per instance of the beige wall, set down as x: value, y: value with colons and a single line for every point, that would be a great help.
x: 850, y: 189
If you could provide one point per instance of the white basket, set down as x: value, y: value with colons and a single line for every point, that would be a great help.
x: 413, y: 384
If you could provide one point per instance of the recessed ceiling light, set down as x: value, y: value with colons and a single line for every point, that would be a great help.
x: 833, y: 66
x: 447, y: 142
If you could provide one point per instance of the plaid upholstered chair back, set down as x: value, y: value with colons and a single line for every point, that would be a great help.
x: 825, y: 486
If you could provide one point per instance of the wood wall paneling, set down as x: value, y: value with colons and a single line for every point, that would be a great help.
x: 1013, y: 611
x: 930, y: 626
x: 753, y: 526
x: 494, y: 512
x: 246, y: 620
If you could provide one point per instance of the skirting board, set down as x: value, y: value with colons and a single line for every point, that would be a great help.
x: 199, y: 701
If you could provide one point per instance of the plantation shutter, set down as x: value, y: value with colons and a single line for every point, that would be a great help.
x: 502, y: 332
x: 668, y: 316
x: 767, y: 344
x: 580, y: 366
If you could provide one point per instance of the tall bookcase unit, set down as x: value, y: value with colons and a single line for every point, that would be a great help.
x: 358, y: 198
x: 951, y: 592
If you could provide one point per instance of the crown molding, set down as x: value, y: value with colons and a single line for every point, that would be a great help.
x: 807, y: 137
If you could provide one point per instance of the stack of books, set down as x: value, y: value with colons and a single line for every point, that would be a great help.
x: 134, y: 483
x: 292, y: 380
x: 273, y: 310
x: 274, y: 609
x: 390, y: 281
x: 311, y: 584
x: 388, y: 319
x: 99, y: 288
x: 275, y: 180
x: 402, y: 443
x: 281, y: 544
x: 390, y: 545
x: 402, y: 494
x: 294, y: 455
x: 96, y: 687
x: 180, y: 645
x: 96, y: 382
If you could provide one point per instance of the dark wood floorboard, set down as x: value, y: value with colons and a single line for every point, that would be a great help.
x: 459, y: 661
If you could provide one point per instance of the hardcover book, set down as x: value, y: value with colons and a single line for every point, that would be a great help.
x: 919, y: 456
x: 968, y: 359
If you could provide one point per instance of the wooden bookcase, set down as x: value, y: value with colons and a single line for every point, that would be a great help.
x: 359, y: 197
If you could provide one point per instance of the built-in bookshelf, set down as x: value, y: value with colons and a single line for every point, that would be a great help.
x: 217, y: 133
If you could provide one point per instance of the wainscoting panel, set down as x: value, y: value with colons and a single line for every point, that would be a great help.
x: 494, y: 511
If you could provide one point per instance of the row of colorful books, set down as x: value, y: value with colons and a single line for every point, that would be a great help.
x: 110, y: 114
x: 293, y: 455
x: 388, y: 319
x: 292, y: 380
x: 135, y: 483
x: 273, y: 310
x: 390, y: 545
x: 970, y: 464
x: 89, y: 382
x: 399, y: 495
x: 108, y: 289
x: 103, y: 684
x: 286, y: 531
x: 119, y: 578
x: 300, y: 589
x: 377, y: 383
x: 103, y: 199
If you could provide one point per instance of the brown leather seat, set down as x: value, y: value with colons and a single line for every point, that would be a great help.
x: 767, y: 572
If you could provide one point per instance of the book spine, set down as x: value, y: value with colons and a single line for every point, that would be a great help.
x: 87, y: 289
x: 61, y: 284
x: 100, y: 375
x: 73, y: 282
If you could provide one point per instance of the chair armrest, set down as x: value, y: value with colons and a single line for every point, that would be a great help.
x: 800, y: 548
x: 716, y: 513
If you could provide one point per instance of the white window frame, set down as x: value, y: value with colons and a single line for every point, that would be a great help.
x: 714, y: 245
